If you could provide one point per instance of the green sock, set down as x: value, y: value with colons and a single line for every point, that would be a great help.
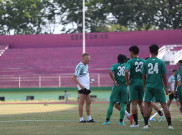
x: 109, y: 111
x: 122, y: 111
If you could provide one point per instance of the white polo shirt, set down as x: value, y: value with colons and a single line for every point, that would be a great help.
x: 171, y: 80
x: 82, y: 74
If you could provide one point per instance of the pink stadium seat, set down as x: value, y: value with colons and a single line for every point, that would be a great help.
x: 56, y: 61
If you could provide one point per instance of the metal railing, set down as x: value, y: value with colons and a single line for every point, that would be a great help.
x: 42, y: 81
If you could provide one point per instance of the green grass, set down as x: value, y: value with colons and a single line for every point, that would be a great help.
x: 70, y: 126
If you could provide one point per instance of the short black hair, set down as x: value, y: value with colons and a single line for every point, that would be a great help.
x: 121, y: 58
x: 180, y: 61
x: 174, y: 70
x: 154, y: 48
x: 85, y: 54
x: 127, y: 59
x: 134, y: 49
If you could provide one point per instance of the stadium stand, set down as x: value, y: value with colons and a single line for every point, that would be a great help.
x: 52, y: 65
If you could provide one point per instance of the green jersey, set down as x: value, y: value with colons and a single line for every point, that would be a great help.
x: 154, y: 68
x: 181, y: 74
x: 135, y: 66
x: 177, y: 76
x: 119, y: 72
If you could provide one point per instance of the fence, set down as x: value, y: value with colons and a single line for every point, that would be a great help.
x: 40, y: 81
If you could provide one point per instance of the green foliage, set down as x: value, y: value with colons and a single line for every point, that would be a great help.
x: 37, y: 16
x: 129, y: 14
x: 23, y: 16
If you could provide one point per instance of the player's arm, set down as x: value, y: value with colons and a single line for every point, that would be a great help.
x: 127, y: 70
x: 127, y: 77
x: 76, y: 81
x: 175, y: 87
x: 112, y: 77
x: 176, y: 84
x: 164, y: 78
x: 112, y: 69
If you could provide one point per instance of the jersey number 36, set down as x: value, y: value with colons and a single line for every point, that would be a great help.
x: 121, y: 71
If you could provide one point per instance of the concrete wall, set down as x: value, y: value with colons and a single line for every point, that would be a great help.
x: 94, y: 39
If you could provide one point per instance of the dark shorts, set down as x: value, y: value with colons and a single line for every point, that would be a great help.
x: 172, y: 96
x: 136, y: 92
x: 159, y: 95
x: 85, y: 91
x: 179, y: 94
x: 119, y: 94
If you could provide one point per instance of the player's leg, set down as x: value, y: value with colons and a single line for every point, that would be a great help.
x: 127, y: 111
x: 167, y: 114
x: 81, y: 103
x: 179, y: 90
x: 156, y: 109
x: 113, y: 99
x: 66, y: 100
x: 88, y: 104
x: 155, y: 106
x: 135, y: 113
x: 128, y: 107
x: 150, y: 109
x: 140, y: 103
x: 177, y: 102
x: 109, y: 113
x: 171, y: 97
x: 179, y: 98
x: 140, y: 98
x: 180, y: 106
x: 117, y: 106
x: 128, y: 115
x: 161, y: 97
x: 122, y: 113
x: 147, y: 112
x: 134, y: 102
x: 147, y: 106
x: 128, y: 103
x: 88, y: 108
x: 123, y: 100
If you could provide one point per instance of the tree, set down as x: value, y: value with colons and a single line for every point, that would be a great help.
x: 25, y: 16
x: 131, y: 14
x: 41, y: 16
x: 71, y: 12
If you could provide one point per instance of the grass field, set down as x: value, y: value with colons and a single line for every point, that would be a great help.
x: 63, y: 120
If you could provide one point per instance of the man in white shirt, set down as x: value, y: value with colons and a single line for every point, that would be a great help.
x: 171, y: 84
x: 82, y: 79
